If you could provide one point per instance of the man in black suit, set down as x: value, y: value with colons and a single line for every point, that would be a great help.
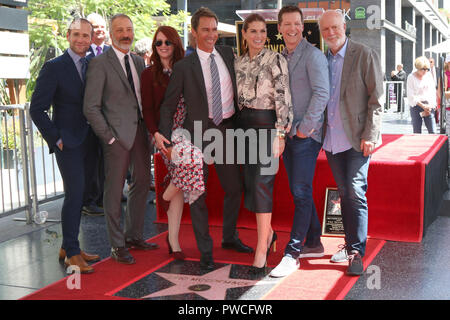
x: 98, y: 45
x: 61, y: 83
x: 192, y: 78
x: 400, y: 75
x: 93, y: 194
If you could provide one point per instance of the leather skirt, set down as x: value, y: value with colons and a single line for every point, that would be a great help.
x: 258, y: 183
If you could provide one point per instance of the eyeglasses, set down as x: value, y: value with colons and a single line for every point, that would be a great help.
x: 425, y: 69
x: 160, y: 42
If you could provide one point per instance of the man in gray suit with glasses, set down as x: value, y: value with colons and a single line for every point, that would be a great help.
x: 112, y: 105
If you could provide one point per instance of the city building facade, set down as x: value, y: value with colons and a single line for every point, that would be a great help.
x: 400, y: 30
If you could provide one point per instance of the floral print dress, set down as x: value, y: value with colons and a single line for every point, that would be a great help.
x: 186, y: 166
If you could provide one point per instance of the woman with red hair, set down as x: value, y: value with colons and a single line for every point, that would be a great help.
x: 184, y: 161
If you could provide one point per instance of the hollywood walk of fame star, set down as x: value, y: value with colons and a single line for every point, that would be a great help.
x: 336, y: 206
x: 211, y: 286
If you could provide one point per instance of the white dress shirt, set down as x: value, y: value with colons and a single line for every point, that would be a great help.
x: 94, y: 47
x: 421, y: 90
x: 136, y: 78
x: 226, y: 85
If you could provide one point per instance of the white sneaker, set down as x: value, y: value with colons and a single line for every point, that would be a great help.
x: 287, y: 266
x: 341, y: 255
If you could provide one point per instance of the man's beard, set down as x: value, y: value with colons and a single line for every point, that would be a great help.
x: 122, y: 46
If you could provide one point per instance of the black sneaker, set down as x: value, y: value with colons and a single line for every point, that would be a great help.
x: 355, y: 264
x: 312, y: 252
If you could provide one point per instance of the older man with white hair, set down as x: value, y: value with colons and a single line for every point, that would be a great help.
x: 98, y: 45
x: 353, y: 121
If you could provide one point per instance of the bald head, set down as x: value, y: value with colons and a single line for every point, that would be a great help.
x: 99, y: 25
x: 332, y: 27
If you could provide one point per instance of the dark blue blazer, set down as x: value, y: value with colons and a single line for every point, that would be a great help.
x: 59, y: 84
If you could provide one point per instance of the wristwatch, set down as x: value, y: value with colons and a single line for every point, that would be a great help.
x: 281, y: 133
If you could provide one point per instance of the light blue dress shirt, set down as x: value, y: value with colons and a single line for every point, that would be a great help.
x: 76, y: 59
x: 335, y: 139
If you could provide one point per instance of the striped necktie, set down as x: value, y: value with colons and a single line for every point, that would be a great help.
x: 131, y: 82
x: 216, y: 93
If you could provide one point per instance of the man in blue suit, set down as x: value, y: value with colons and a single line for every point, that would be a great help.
x: 308, y: 79
x: 68, y: 134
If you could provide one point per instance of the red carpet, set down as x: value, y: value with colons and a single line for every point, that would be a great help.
x: 316, y: 279
x: 395, y: 194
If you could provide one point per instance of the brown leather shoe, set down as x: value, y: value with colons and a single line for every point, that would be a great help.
x: 80, y: 263
x: 86, y: 256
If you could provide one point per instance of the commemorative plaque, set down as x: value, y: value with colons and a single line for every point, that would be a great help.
x: 332, y: 217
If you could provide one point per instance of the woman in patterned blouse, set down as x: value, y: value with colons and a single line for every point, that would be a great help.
x: 265, y: 104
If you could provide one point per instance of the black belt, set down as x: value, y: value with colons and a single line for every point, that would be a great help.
x: 224, y: 121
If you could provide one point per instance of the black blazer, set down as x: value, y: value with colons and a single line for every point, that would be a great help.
x: 187, y: 80
x: 400, y: 76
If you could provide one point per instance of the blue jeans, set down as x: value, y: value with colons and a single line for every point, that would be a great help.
x: 350, y: 170
x: 416, y: 120
x: 299, y: 157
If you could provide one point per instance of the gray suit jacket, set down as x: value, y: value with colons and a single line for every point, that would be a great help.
x: 110, y: 105
x: 361, y: 94
x: 308, y: 78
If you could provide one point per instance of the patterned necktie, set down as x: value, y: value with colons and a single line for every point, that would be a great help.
x: 129, y: 74
x: 216, y: 93
x: 130, y: 80
x: 99, y: 51
x: 84, y: 65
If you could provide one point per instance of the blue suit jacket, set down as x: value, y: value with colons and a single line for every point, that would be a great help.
x: 309, y: 83
x: 59, y: 85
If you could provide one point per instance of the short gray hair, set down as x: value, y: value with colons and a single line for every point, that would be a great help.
x: 119, y: 15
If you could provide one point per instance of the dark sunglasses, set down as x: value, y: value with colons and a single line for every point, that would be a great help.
x: 425, y: 69
x: 160, y: 42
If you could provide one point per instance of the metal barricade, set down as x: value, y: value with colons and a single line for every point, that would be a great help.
x: 28, y: 176
x: 395, y: 95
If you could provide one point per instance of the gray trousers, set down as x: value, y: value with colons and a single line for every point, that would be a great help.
x: 117, y: 162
